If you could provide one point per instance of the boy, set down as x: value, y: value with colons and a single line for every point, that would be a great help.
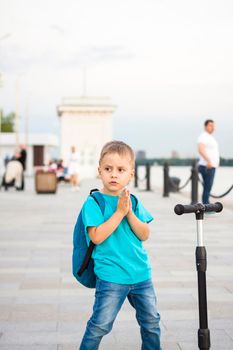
x: 121, y: 263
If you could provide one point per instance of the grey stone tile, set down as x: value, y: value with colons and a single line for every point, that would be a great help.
x: 9, y: 278
x: 9, y: 286
x: 177, y: 314
x: 28, y: 347
x: 34, y: 299
x: 34, y: 313
x: 224, y: 323
x: 170, y: 346
x: 71, y: 326
x: 67, y: 347
x: 188, y: 346
x: 172, y: 326
x: 229, y: 331
x: 40, y: 338
x: 73, y: 316
x: 10, y: 326
x: 6, y: 301
x: 221, y: 339
x: 180, y: 335
x: 40, y: 285
x: 4, y: 314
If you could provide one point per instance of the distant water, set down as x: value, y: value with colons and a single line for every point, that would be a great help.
x: 223, y: 179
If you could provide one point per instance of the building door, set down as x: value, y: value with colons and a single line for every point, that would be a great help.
x: 38, y: 155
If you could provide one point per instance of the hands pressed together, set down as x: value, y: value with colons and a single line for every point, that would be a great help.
x: 124, y: 203
x: 124, y: 208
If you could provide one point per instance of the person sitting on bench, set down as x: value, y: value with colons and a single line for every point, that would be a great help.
x: 13, y: 175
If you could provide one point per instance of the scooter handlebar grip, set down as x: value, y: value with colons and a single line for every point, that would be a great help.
x: 198, y: 207
x: 179, y: 209
x: 217, y: 207
x: 185, y: 209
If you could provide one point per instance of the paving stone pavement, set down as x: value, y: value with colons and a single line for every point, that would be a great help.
x: 43, y: 308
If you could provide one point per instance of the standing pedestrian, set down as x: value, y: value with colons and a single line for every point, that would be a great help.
x: 209, y: 158
x: 23, y: 159
x: 73, y: 168
x: 22, y: 156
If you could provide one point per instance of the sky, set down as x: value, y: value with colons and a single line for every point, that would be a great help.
x: 166, y: 64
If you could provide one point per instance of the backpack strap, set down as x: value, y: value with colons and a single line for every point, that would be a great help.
x: 134, y: 201
x: 87, y: 259
x: 94, y: 190
x: 97, y: 196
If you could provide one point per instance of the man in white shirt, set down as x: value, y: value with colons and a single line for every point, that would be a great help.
x: 209, y: 158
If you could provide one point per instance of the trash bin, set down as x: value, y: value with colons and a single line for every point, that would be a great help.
x: 173, y: 185
x: 45, y: 182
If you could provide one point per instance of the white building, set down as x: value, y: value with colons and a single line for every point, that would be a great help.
x: 40, y: 149
x: 86, y: 123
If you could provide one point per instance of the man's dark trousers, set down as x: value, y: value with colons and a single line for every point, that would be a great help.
x: 208, y: 179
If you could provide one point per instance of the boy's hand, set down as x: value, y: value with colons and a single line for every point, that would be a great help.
x: 124, y: 202
x: 130, y: 208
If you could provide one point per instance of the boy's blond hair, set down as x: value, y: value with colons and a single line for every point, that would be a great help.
x: 118, y: 147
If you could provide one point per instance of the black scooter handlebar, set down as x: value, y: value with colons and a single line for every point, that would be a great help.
x: 199, y: 207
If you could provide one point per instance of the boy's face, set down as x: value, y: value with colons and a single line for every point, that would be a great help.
x: 115, y: 171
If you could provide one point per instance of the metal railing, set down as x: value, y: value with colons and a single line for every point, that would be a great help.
x: 169, y: 184
x: 147, y: 164
x: 195, y: 179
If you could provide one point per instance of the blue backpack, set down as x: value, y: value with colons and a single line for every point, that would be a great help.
x: 82, y: 262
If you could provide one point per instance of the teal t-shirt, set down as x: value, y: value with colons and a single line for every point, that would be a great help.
x: 121, y: 258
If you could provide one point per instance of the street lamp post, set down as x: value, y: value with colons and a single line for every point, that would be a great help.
x: 26, y: 121
x: 3, y: 37
x: 17, y: 112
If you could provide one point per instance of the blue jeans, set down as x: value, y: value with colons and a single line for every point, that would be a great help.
x: 109, y: 298
x: 208, y: 179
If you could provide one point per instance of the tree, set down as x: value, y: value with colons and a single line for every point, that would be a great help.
x: 7, y: 122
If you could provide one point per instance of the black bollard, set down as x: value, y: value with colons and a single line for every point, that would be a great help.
x: 148, y: 177
x: 194, y: 183
x: 166, y: 180
x: 136, y: 176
